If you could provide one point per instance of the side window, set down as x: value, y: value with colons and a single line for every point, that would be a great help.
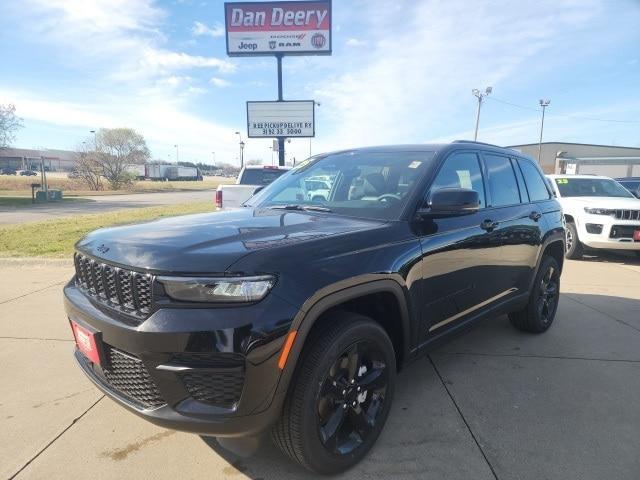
x: 502, y: 181
x: 535, y: 183
x: 461, y: 170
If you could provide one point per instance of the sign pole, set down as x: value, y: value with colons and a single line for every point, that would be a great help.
x: 280, y: 99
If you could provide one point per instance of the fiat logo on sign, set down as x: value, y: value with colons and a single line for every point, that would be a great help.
x: 318, y: 40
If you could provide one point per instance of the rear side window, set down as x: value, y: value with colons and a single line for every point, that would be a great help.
x: 502, y: 181
x: 461, y: 170
x: 260, y: 176
x: 535, y: 183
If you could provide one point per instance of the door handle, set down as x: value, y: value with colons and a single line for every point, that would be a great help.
x: 535, y: 216
x: 488, y: 225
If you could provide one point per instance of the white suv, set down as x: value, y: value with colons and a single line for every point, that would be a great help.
x: 600, y: 213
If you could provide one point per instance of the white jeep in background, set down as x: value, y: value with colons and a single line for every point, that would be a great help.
x: 600, y: 213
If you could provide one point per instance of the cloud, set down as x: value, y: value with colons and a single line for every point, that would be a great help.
x: 354, y: 42
x: 219, y: 82
x: 200, y: 29
x: 167, y: 60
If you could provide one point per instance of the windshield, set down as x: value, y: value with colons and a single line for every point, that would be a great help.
x: 260, y: 176
x: 363, y: 184
x: 591, y: 187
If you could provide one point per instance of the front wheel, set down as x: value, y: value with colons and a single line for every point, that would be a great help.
x: 540, y: 312
x: 341, y: 395
x: 573, y: 244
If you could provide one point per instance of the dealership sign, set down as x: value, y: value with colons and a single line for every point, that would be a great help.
x: 281, y: 119
x: 268, y: 28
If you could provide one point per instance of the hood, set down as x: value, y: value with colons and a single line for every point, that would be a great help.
x: 603, y: 202
x: 211, y: 242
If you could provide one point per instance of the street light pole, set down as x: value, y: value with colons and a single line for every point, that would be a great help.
x: 95, y: 140
x: 241, y: 148
x: 177, y: 154
x: 213, y: 157
x: 544, y: 104
x: 480, y: 96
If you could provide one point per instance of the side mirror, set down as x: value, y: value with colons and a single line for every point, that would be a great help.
x: 451, y: 202
x: 258, y: 189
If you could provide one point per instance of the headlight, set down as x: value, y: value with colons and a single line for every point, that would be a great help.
x: 220, y: 289
x: 599, y: 211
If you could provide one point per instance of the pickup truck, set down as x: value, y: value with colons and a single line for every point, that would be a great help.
x: 251, y: 177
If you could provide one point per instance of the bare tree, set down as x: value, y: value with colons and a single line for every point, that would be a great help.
x: 115, y: 150
x: 88, y: 168
x: 10, y: 123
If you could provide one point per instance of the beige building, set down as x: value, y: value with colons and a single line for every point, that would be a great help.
x: 28, y: 159
x: 609, y: 160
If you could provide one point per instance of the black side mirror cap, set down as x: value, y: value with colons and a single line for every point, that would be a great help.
x: 451, y: 202
x: 258, y: 189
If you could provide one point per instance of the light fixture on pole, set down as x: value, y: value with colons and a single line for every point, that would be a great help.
x: 317, y: 104
x: 544, y: 104
x: 480, y: 96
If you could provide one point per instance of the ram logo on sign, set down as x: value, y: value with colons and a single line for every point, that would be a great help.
x: 268, y: 28
x: 281, y: 119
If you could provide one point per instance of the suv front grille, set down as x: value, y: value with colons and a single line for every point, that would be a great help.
x: 127, y: 375
x: 628, y: 214
x: 125, y: 289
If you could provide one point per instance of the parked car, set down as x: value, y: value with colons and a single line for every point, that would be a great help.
x: 8, y: 171
x: 631, y: 183
x: 600, y: 214
x: 294, y: 318
x: 250, y: 179
x: 28, y: 173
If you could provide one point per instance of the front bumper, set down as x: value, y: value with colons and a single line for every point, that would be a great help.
x: 615, y: 234
x: 210, y: 371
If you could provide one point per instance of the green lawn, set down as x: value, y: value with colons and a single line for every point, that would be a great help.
x: 55, y: 238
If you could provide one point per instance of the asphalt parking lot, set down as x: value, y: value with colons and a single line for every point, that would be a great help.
x: 101, y: 204
x: 494, y: 403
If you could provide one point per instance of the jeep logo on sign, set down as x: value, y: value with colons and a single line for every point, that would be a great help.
x: 247, y: 46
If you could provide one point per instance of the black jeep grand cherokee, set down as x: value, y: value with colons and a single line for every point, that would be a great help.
x: 295, y: 313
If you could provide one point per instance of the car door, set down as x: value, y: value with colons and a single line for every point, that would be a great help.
x: 459, y: 253
x: 517, y: 223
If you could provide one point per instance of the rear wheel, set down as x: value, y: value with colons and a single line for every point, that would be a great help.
x: 540, y: 312
x: 574, y: 246
x: 341, y: 397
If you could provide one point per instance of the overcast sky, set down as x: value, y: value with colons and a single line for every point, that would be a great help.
x: 401, y: 72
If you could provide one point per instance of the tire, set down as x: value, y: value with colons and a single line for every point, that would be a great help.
x: 574, y: 249
x: 317, y: 401
x: 538, y: 315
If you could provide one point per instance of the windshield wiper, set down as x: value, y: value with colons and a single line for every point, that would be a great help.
x: 295, y: 206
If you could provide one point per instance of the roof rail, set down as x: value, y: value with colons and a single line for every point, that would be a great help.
x: 477, y: 143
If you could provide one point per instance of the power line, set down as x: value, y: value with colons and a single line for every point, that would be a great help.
x: 523, y: 107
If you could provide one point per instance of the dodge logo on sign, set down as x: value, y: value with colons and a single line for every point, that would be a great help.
x: 265, y: 28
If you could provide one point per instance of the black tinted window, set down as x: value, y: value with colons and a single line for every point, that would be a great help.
x: 461, y: 170
x: 535, y: 183
x: 260, y: 176
x: 502, y: 181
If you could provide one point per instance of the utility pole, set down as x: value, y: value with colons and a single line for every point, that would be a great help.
x: 480, y: 96
x: 544, y: 104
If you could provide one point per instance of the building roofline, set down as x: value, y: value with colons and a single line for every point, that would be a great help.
x: 571, y: 143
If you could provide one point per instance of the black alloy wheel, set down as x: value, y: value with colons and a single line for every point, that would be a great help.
x: 351, y: 398
x: 548, y: 294
x: 340, y: 394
